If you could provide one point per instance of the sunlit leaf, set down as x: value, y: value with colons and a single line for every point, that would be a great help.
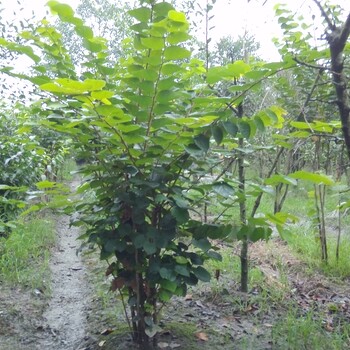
x: 313, y: 177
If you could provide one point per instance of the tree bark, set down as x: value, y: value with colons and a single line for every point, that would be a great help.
x: 337, y: 36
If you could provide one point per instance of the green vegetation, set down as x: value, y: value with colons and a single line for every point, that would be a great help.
x: 178, y: 150
x: 25, y: 254
x: 296, y: 332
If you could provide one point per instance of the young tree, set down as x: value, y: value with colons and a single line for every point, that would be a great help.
x: 144, y: 134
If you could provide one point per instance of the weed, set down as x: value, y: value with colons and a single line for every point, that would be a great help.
x: 306, y: 244
x: 66, y: 169
x: 306, y: 332
x: 25, y: 254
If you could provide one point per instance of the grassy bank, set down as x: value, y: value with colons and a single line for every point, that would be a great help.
x: 24, y: 255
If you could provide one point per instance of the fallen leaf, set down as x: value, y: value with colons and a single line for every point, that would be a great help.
x: 106, y: 331
x: 269, y: 325
x: 199, y: 303
x: 188, y: 297
x: 101, y: 343
x: 117, y: 283
x: 76, y: 268
x: 202, y: 336
x: 163, y: 345
x: 329, y: 328
x: 248, y: 308
x: 174, y: 345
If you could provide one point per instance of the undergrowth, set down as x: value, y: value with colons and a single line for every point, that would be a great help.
x: 24, y: 255
x: 305, y: 242
x: 307, y: 332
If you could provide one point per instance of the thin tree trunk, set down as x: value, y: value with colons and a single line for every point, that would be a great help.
x: 243, y: 219
x: 339, y: 232
x: 337, y: 37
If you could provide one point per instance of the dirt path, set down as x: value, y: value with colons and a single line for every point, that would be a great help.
x: 65, y: 315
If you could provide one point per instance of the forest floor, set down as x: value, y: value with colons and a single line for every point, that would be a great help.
x: 289, y: 306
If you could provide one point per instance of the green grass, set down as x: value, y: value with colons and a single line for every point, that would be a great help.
x: 66, y: 169
x: 308, y: 332
x: 230, y: 271
x: 24, y: 255
x: 305, y: 242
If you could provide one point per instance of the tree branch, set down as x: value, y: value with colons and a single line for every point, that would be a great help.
x: 310, y: 65
x: 331, y: 25
x: 345, y: 32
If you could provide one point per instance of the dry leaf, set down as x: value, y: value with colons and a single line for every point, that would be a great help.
x: 329, y: 328
x: 101, y: 343
x: 106, y: 331
x: 174, y: 345
x: 200, y: 304
x: 163, y: 345
x: 117, y: 283
x: 202, y: 336
x: 188, y: 297
x: 269, y: 325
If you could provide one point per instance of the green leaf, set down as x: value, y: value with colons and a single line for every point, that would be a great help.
x: 214, y: 255
x: 167, y: 274
x: 180, y: 214
x: 165, y: 295
x: 63, y: 10
x: 177, y: 16
x: 202, y: 244
x: 223, y: 189
x: 300, y: 134
x: 45, y: 185
x: 277, y: 179
x: 181, y: 260
x: 202, y: 274
x: 177, y: 37
x: 180, y: 201
x: 84, y: 31
x: 170, y: 68
x: 172, y: 53
x: 162, y: 9
x: 202, y: 142
x: 216, y: 74
x: 142, y: 14
x: 259, y: 123
x: 260, y: 233
x: 94, y: 44
x: 231, y: 128
x: 73, y: 87
x: 313, y: 177
x: 238, y: 68
x: 153, y: 43
x: 149, y: 246
x: 101, y: 95
x: 169, y: 285
x: 301, y: 125
x: 182, y: 270
x: 217, y: 133
x: 244, y: 129
x: 194, y: 150
x: 27, y: 50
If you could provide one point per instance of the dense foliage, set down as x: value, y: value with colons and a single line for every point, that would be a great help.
x: 159, y: 134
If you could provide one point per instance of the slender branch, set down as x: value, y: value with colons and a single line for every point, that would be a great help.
x: 344, y: 35
x: 331, y: 25
x: 258, y: 199
x: 315, y: 66
x: 255, y: 83
x: 309, y: 95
